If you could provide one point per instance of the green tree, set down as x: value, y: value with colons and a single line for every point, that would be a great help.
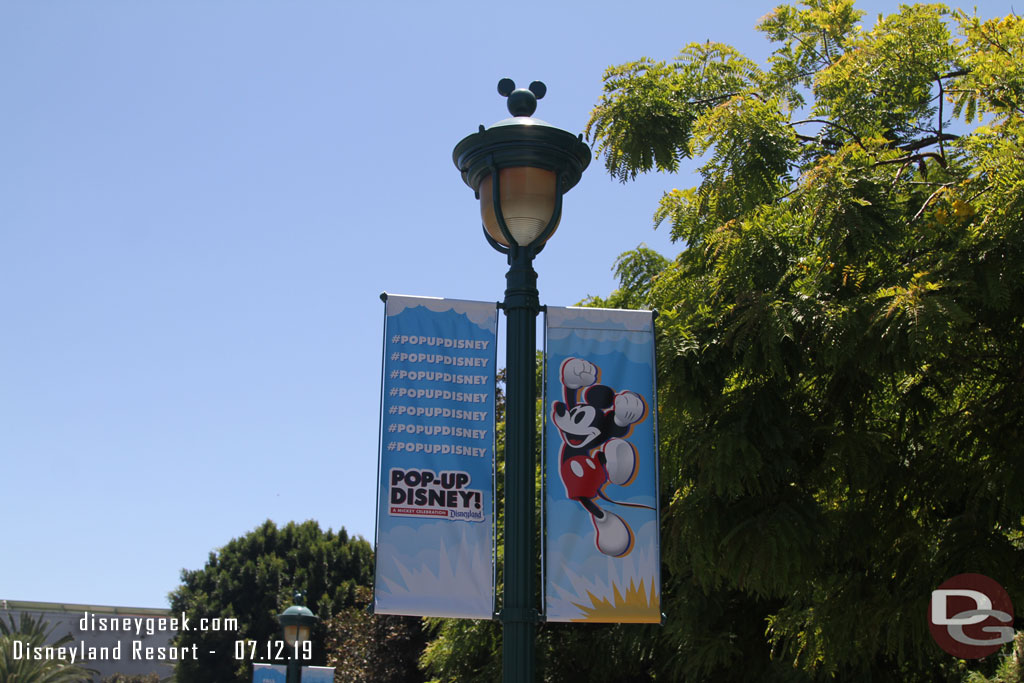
x: 841, y: 341
x: 374, y: 648
x: 32, y: 632
x: 252, y: 579
x: 1011, y: 669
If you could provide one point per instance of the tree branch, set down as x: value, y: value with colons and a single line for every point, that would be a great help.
x: 913, y: 157
x: 930, y: 140
x: 928, y: 201
x: 833, y: 124
x: 942, y: 149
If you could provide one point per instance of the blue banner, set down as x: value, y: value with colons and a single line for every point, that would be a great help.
x: 277, y: 673
x: 435, y: 512
x: 602, y: 550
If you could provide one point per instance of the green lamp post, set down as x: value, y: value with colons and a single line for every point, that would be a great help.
x: 297, y: 623
x: 519, y: 169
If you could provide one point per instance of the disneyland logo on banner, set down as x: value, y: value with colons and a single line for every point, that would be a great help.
x: 970, y: 616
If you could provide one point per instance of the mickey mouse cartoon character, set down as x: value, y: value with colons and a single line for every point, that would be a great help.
x: 594, y: 422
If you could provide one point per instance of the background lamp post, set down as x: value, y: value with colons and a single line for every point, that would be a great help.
x: 519, y: 169
x: 297, y: 623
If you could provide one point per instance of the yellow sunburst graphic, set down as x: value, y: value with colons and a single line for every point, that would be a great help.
x: 638, y: 606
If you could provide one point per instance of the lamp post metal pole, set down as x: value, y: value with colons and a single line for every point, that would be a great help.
x: 518, y: 614
x: 293, y: 672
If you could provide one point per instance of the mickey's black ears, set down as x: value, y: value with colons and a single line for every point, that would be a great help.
x: 521, y: 101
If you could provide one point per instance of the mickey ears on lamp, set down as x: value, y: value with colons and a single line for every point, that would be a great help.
x: 521, y: 102
x: 519, y: 169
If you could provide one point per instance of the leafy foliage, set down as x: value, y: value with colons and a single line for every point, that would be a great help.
x: 840, y: 342
x: 365, y: 648
x: 33, y: 632
x: 1011, y: 669
x: 463, y: 650
x: 636, y: 271
x: 253, y: 579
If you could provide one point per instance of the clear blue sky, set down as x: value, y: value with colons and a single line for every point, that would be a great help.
x: 200, y: 203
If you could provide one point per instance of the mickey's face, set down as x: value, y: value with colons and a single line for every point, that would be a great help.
x: 579, y: 425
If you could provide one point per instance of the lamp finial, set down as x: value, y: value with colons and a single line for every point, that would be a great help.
x: 521, y: 101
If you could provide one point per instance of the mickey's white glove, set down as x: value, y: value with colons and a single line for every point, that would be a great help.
x: 629, y: 408
x: 578, y: 373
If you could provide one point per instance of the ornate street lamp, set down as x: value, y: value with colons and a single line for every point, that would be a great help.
x: 519, y: 169
x: 297, y: 623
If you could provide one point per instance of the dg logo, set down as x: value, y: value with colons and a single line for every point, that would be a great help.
x: 970, y: 616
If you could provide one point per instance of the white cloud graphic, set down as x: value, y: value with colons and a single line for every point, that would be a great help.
x: 482, y: 313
